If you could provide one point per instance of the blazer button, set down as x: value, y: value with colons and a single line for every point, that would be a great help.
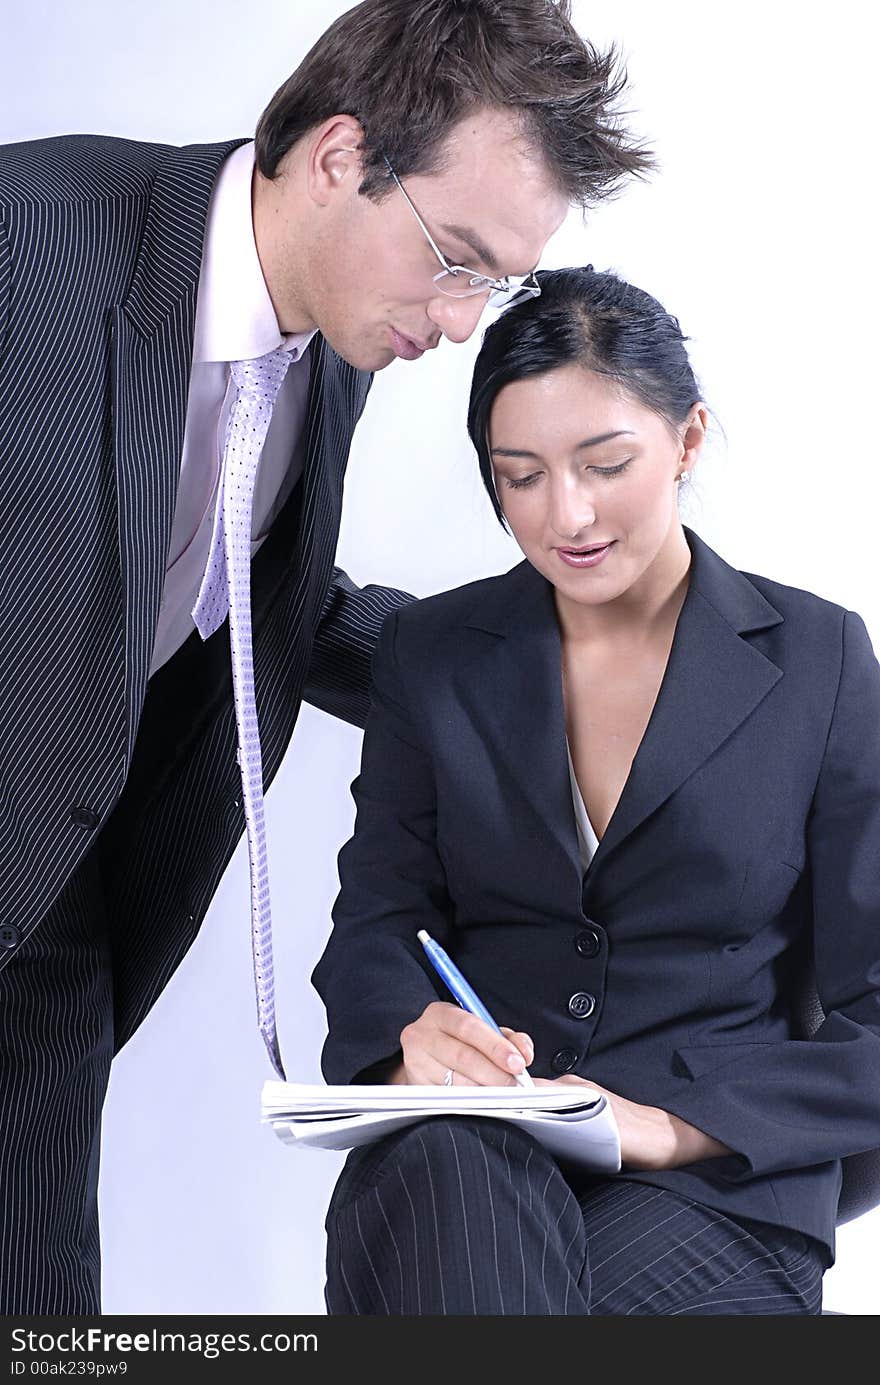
x: 564, y: 1060
x: 582, y: 1005
x: 84, y: 817
x: 588, y: 942
x: 10, y: 937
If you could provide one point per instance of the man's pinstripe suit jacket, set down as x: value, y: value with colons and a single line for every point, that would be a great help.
x: 100, y: 250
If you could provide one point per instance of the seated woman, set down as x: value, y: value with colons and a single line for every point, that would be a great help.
x: 635, y: 793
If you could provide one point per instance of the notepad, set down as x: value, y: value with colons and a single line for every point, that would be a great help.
x: 573, y: 1123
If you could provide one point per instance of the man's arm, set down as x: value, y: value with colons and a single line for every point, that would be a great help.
x: 338, y: 680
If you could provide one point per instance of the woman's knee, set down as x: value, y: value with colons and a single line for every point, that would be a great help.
x: 425, y: 1156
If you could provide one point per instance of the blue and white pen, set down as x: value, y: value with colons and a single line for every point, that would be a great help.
x: 463, y: 992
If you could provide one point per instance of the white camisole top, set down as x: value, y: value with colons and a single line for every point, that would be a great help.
x: 587, y: 839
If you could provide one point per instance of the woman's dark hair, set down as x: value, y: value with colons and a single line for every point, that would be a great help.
x: 590, y: 319
x: 410, y: 70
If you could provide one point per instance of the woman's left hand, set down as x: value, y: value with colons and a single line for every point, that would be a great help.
x: 650, y: 1139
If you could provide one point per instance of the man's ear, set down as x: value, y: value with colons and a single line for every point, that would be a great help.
x: 333, y: 157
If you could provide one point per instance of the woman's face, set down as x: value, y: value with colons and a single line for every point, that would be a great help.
x: 587, y: 477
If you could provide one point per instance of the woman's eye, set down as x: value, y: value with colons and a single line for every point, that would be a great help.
x: 611, y: 470
x: 518, y: 484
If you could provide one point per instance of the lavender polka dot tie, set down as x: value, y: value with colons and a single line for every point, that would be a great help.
x: 226, y: 587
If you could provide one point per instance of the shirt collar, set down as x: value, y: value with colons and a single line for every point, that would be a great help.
x: 235, y: 319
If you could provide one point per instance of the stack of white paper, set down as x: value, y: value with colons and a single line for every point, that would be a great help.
x: 575, y: 1123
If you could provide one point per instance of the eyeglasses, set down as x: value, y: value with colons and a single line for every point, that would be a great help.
x: 457, y: 281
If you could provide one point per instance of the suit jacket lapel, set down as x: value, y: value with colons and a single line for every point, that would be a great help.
x: 302, y: 556
x: 292, y: 571
x: 336, y: 398
x: 511, y: 683
x: 151, y: 359
x: 714, y: 680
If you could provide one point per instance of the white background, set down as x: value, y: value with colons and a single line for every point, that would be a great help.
x: 757, y: 233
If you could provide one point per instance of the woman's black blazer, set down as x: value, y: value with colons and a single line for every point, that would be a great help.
x: 745, y: 847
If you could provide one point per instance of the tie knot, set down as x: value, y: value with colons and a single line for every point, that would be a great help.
x: 263, y: 376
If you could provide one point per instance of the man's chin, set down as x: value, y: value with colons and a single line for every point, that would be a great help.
x: 363, y: 357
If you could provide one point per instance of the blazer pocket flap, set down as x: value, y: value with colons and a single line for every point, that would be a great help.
x: 699, y: 1058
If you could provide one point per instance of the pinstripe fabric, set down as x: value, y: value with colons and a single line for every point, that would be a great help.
x: 111, y: 791
x: 474, y: 1217
x: 84, y: 547
x: 56, y: 1042
x: 87, y: 489
x: 199, y: 791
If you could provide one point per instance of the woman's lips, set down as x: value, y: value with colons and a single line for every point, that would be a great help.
x: 404, y: 347
x: 589, y: 556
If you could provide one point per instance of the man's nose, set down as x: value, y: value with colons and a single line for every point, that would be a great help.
x: 457, y: 318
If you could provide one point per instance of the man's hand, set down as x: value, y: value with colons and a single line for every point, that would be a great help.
x: 650, y: 1139
x: 445, y: 1036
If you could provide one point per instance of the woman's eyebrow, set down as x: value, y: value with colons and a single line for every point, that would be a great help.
x: 588, y: 442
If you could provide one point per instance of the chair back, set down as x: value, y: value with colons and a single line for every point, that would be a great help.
x: 860, y: 1190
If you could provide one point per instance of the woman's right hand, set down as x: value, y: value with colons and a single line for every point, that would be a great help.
x: 445, y: 1036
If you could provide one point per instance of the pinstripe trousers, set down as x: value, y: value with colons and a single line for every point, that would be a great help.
x: 463, y: 1216
x: 75, y: 991
x: 56, y: 1044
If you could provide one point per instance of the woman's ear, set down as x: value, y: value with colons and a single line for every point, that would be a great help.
x: 693, y: 435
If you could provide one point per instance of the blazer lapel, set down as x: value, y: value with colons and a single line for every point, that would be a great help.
x: 151, y: 359
x: 511, y: 683
x: 336, y: 398
x: 714, y: 680
x: 303, y: 556
x: 292, y: 571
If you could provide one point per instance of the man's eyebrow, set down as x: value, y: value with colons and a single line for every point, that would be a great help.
x: 470, y: 237
x: 588, y: 442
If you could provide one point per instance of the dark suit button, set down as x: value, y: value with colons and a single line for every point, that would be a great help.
x: 582, y: 1005
x: 10, y: 937
x: 564, y: 1060
x: 84, y: 817
x: 588, y: 942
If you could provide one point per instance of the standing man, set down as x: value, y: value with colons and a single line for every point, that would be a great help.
x: 187, y: 339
